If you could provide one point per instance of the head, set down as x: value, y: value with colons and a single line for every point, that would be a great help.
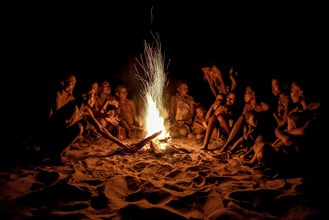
x: 278, y: 86
x: 68, y: 84
x: 89, y: 97
x: 94, y: 86
x: 200, y: 111
x: 249, y: 94
x: 121, y: 92
x: 230, y: 98
x: 297, y: 92
x: 220, y: 99
x: 182, y: 88
x: 105, y: 88
x: 294, y: 120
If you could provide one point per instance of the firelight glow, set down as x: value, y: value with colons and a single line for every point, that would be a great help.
x: 153, y: 79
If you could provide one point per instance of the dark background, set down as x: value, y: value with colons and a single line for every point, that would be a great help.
x: 100, y: 41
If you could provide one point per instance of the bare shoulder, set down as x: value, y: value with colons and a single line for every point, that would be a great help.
x: 265, y: 106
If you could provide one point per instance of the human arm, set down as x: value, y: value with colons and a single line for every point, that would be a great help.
x: 211, y: 110
x: 114, y: 120
x: 199, y: 123
x: 192, y: 110
x: 206, y: 72
x: 281, y: 134
x: 103, y: 131
x: 219, y: 81
x: 232, y: 78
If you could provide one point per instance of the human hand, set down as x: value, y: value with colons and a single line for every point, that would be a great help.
x: 125, y: 145
x: 286, y: 140
x: 113, y: 102
x: 114, y: 121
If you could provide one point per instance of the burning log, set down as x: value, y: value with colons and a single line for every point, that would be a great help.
x: 137, y: 146
x: 155, y: 147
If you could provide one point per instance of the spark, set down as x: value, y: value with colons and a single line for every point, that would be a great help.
x: 153, y: 80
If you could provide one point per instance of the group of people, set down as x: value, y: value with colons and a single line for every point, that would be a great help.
x: 273, y: 131
x: 256, y: 127
x: 93, y: 114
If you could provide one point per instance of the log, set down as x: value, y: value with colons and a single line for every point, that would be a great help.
x: 155, y: 147
x: 137, y: 146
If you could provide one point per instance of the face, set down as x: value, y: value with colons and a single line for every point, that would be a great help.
x: 220, y: 99
x: 91, y: 99
x: 275, y: 87
x: 106, y: 88
x: 295, y: 92
x: 69, y: 84
x: 122, y: 94
x: 183, y: 90
x: 230, y: 98
x: 200, y: 112
x: 249, y: 94
x: 94, y: 87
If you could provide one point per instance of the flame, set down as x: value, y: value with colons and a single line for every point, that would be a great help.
x: 154, y: 120
x: 153, y: 79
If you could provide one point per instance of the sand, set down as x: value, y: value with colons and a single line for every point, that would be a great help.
x: 178, y: 182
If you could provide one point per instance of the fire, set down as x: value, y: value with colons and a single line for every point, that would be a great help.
x: 154, y: 120
x: 153, y: 79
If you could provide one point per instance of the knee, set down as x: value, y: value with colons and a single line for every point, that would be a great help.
x: 260, y: 156
x: 220, y: 118
x: 80, y: 129
x: 200, y: 136
x: 183, y: 131
x: 173, y: 133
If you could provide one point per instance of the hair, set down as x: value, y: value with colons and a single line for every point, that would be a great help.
x: 181, y: 82
x: 105, y: 82
x: 306, y: 88
x: 297, y: 118
x: 119, y: 87
x: 200, y: 106
x: 282, y: 83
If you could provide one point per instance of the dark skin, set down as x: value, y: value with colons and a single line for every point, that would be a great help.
x: 251, y: 104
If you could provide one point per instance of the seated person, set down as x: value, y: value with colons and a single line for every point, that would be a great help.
x: 254, y: 140
x: 283, y: 103
x: 220, y: 118
x: 309, y: 131
x: 199, y: 124
x: 250, y: 132
x: 252, y: 102
x: 109, y: 118
x: 294, y: 120
x: 128, y: 115
x: 181, y: 111
x: 68, y: 125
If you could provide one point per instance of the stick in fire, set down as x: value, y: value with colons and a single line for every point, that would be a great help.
x: 137, y: 146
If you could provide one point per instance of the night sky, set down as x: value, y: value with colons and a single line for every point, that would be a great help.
x: 101, y: 41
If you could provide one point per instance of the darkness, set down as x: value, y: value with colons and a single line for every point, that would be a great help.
x: 101, y: 41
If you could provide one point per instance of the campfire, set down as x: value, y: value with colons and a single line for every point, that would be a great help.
x: 153, y: 79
